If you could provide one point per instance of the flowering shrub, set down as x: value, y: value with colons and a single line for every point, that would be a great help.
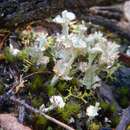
x: 72, y: 56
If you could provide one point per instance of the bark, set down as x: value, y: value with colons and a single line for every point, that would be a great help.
x: 16, y: 12
x: 122, y: 29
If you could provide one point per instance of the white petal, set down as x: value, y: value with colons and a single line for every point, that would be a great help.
x: 68, y: 15
x: 13, y: 50
x: 57, y: 101
x: 58, y: 19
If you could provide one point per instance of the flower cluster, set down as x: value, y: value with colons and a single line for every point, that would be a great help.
x: 72, y: 43
x: 73, y: 54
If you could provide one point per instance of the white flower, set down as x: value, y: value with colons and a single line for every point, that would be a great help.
x: 61, y: 69
x: 95, y: 38
x: 13, y: 50
x: 110, y: 51
x: 65, y: 17
x: 82, y: 27
x: 96, y: 50
x: 58, y: 19
x: 79, y: 28
x: 107, y: 120
x: 68, y: 15
x: 78, y: 42
x: 92, y: 111
x: 83, y: 66
x: 71, y: 120
x: 44, y: 60
x: 41, y: 41
x: 62, y: 40
x: 57, y: 101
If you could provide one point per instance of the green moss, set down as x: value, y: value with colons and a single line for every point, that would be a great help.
x: 8, y: 56
x: 94, y: 126
x: 124, y: 102
x: 115, y: 121
x: 112, y: 108
x: 51, y: 90
x: 1, y: 89
x: 40, y: 120
x: 68, y: 111
x: 108, y: 107
x: 36, y: 83
x: 104, y: 105
x: 23, y: 55
x: 74, y: 82
x: 37, y: 101
x: 61, y: 86
x: 123, y: 91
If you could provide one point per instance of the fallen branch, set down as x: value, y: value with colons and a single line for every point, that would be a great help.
x: 21, y: 114
x: 14, y: 99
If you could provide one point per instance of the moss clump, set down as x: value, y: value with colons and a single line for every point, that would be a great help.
x: 37, y: 101
x: 108, y: 107
x: 68, y: 111
x: 123, y: 92
x: 62, y: 86
x: 124, y: 102
x: 8, y: 56
x: 36, y: 83
x: 41, y: 121
x: 94, y: 126
x: 51, y: 90
x: 104, y: 105
x: 115, y: 121
x: 1, y: 89
x: 23, y: 55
